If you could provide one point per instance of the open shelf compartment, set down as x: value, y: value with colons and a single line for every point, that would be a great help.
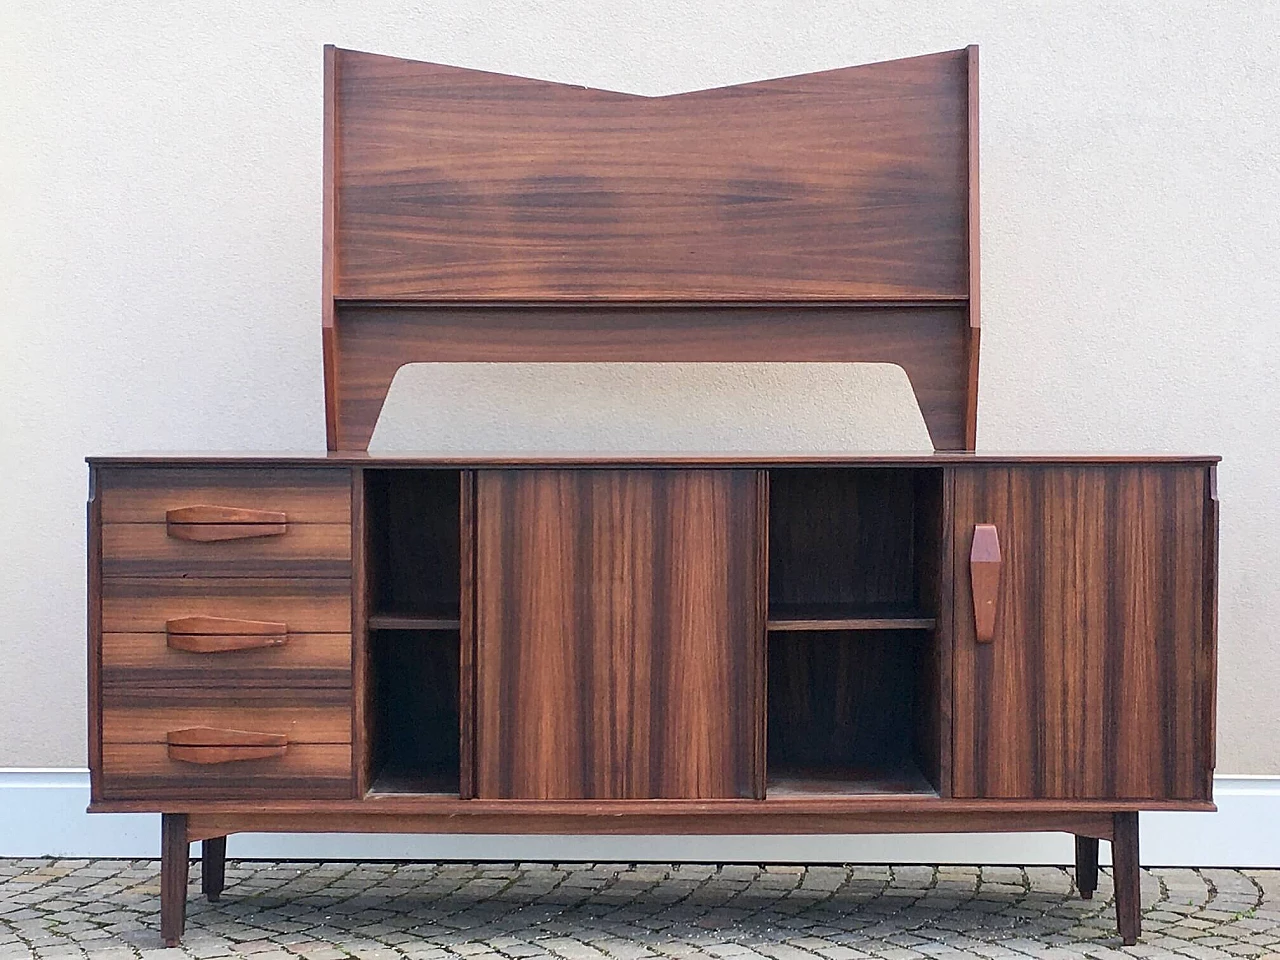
x: 413, y: 640
x: 853, y: 689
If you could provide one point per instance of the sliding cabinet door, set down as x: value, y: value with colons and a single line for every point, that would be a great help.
x: 619, y: 633
x: 1097, y: 681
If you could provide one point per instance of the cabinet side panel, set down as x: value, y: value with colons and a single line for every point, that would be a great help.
x: 617, y: 642
x: 363, y: 734
x: 1208, y: 724
x: 1093, y: 684
x: 94, y: 637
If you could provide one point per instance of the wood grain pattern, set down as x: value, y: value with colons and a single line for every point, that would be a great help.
x: 145, y: 605
x: 1127, y: 873
x: 149, y: 550
x: 974, y: 340
x: 1094, y: 685
x: 217, y: 515
x: 1208, y: 665
x: 223, y: 634
x: 458, y: 183
x: 144, y: 771
x: 616, y: 647
x: 328, y: 253
x: 362, y: 732
x: 149, y: 715
x: 307, y: 660
x: 146, y: 495
x: 841, y: 709
x: 414, y: 542
x: 380, y: 816
x: 467, y: 531
x: 175, y: 862
x: 927, y: 341
x: 843, y: 543
x: 93, y: 610
x: 615, y: 459
x: 215, y: 745
x: 515, y: 811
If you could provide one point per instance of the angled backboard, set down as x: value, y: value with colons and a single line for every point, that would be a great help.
x: 474, y: 216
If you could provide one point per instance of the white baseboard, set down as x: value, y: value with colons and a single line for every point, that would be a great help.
x: 42, y: 813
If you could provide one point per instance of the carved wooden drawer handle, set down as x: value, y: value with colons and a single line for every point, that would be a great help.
x: 223, y: 634
x: 206, y: 523
x: 207, y: 745
x: 984, y: 578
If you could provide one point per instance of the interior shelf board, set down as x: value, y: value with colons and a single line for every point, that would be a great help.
x: 853, y: 623
x: 414, y: 621
x: 838, y: 617
x: 903, y: 780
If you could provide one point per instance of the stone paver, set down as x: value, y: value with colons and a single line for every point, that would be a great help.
x: 108, y: 910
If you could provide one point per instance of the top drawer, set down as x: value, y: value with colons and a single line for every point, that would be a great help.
x: 147, y: 494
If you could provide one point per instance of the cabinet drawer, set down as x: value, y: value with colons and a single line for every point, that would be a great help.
x: 301, y: 550
x: 302, y: 605
x: 147, y: 494
x: 150, y: 715
x: 145, y: 771
x: 302, y: 660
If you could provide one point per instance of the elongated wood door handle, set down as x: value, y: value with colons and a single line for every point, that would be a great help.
x: 223, y: 634
x: 208, y: 745
x: 984, y: 578
x: 205, y: 523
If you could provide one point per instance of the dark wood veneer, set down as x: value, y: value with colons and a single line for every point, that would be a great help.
x: 456, y: 183
x: 1094, y: 683
x: 616, y: 647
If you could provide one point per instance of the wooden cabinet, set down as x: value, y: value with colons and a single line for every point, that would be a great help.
x: 651, y: 644
x: 827, y: 645
x: 1098, y: 682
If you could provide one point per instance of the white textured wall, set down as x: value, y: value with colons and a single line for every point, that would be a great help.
x: 160, y: 265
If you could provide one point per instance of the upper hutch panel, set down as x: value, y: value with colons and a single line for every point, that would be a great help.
x: 456, y: 184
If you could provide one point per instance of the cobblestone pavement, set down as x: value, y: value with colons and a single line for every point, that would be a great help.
x: 327, y: 911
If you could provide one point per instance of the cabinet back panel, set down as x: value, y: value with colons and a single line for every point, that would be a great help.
x: 853, y: 540
x: 415, y: 686
x: 843, y: 699
x: 414, y: 540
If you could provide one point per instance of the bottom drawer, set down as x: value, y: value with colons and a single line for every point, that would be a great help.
x: 146, y: 771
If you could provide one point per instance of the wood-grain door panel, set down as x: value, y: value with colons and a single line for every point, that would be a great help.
x: 619, y: 634
x: 1098, y: 682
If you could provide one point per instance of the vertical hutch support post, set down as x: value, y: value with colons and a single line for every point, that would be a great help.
x: 360, y: 643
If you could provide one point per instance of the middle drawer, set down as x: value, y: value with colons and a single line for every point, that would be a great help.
x: 226, y: 660
x: 151, y: 605
x: 150, y: 549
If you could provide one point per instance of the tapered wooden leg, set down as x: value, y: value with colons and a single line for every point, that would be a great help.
x: 174, y: 864
x: 213, y: 867
x: 1087, y: 866
x: 1128, y: 879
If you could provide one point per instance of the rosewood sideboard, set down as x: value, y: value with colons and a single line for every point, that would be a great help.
x: 717, y: 644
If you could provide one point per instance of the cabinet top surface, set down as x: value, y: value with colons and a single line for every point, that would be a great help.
x: 622, y: 459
